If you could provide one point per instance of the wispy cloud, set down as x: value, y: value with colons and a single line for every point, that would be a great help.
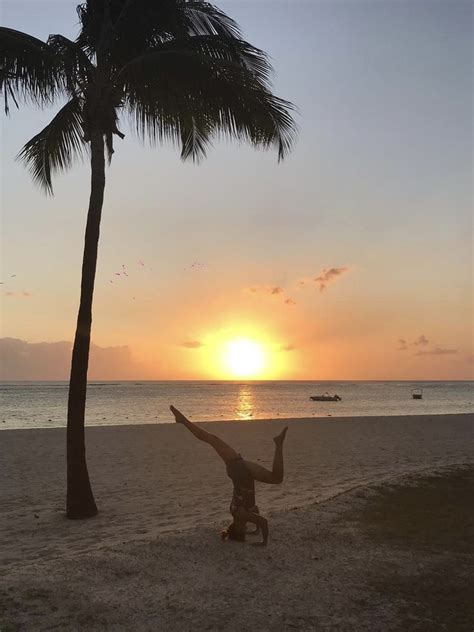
x: 23, y: 294
x: 437, y: 351
x: 271, y: 290
x: 324, y: 278
x: 192, y: 344
x: 421, y: 341
x: 329, y: 275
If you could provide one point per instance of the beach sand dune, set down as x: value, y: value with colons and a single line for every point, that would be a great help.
x: 156, y: 480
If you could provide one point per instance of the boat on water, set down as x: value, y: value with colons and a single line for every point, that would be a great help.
x: 417, y: 393
x: 325, y: 397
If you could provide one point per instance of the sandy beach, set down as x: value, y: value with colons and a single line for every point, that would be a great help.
x: 163, y: 498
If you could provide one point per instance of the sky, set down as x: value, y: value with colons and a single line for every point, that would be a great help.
x: 352, y: 259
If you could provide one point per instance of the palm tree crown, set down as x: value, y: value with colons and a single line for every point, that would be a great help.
x: 178, y: 69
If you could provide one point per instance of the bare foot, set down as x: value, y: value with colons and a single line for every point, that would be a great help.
x: 177, y: 415
x: 281, y: 437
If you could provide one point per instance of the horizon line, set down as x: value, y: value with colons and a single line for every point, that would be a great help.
x: 236, y: 381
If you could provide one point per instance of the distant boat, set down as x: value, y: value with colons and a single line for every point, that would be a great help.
x: 325, y: 397
x: 417, y: 393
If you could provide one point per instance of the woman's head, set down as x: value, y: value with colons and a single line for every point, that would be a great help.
x: 235, y: 531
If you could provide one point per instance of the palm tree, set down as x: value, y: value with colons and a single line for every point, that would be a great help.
x: 182, y: 73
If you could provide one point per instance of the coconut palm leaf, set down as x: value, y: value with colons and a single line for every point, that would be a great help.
x: 195, y: 138
x: 74, y: 63
x: 225, y: 49
x: 168, y: 88
x: 203, y: 19
x: 128, y: 28
x: 56, y: 147
x: 29, y: 69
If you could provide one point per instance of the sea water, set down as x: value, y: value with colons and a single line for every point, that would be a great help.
x: 44, y: 404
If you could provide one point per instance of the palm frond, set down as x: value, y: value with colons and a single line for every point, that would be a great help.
x: 77, y: 68
x: 29, y: 70
x: 196, y: 135
x: 167, y: 89
x: 205, y: 19
x: 211, y: 48
x: 56, y: 147
x: 125, y: 29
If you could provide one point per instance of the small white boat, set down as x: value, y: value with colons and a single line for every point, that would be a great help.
x: 325, y: 397
x: 417, y: 393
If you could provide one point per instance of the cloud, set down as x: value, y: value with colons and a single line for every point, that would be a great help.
x: 437, y: 351
x: 23, y: 294
x: 287, y: 348
x: 421, y: 340
x: 329, y: 275
x: 270, y: 290
x: 265, y: 289
x: 192, y: 344
x: 22, y: 360
x: 324, y: 278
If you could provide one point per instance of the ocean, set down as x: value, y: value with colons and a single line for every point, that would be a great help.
x: 44, y: 404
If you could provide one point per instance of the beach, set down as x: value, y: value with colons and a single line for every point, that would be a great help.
x: 154, y: 550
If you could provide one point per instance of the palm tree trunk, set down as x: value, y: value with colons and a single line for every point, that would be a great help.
x: 80, y: 500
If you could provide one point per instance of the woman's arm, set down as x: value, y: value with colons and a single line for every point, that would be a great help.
x: 256, y: 519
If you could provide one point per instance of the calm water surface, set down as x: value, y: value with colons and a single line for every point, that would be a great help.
x: 43, y: 404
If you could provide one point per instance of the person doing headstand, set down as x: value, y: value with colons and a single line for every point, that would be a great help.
x: 243, y: 474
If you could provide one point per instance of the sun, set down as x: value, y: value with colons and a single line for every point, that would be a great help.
x: 243, y: 357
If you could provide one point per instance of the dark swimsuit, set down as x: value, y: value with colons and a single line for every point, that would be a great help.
x: 244, y: 485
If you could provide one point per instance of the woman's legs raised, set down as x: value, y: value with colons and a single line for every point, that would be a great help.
x: 277, y: 469
x: 275, y: 476
x: 223, y: 450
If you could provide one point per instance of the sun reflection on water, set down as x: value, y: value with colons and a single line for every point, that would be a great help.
x: 245, y: 403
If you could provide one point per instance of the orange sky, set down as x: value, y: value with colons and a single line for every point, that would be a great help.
x: 353, y: 259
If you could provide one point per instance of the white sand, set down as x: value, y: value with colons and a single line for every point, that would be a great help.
x: 154, y: 480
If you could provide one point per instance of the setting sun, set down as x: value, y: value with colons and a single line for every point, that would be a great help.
x: 244, y: 358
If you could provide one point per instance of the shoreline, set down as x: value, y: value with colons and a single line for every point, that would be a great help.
x: 247, y: 422
x: 154, y: 479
